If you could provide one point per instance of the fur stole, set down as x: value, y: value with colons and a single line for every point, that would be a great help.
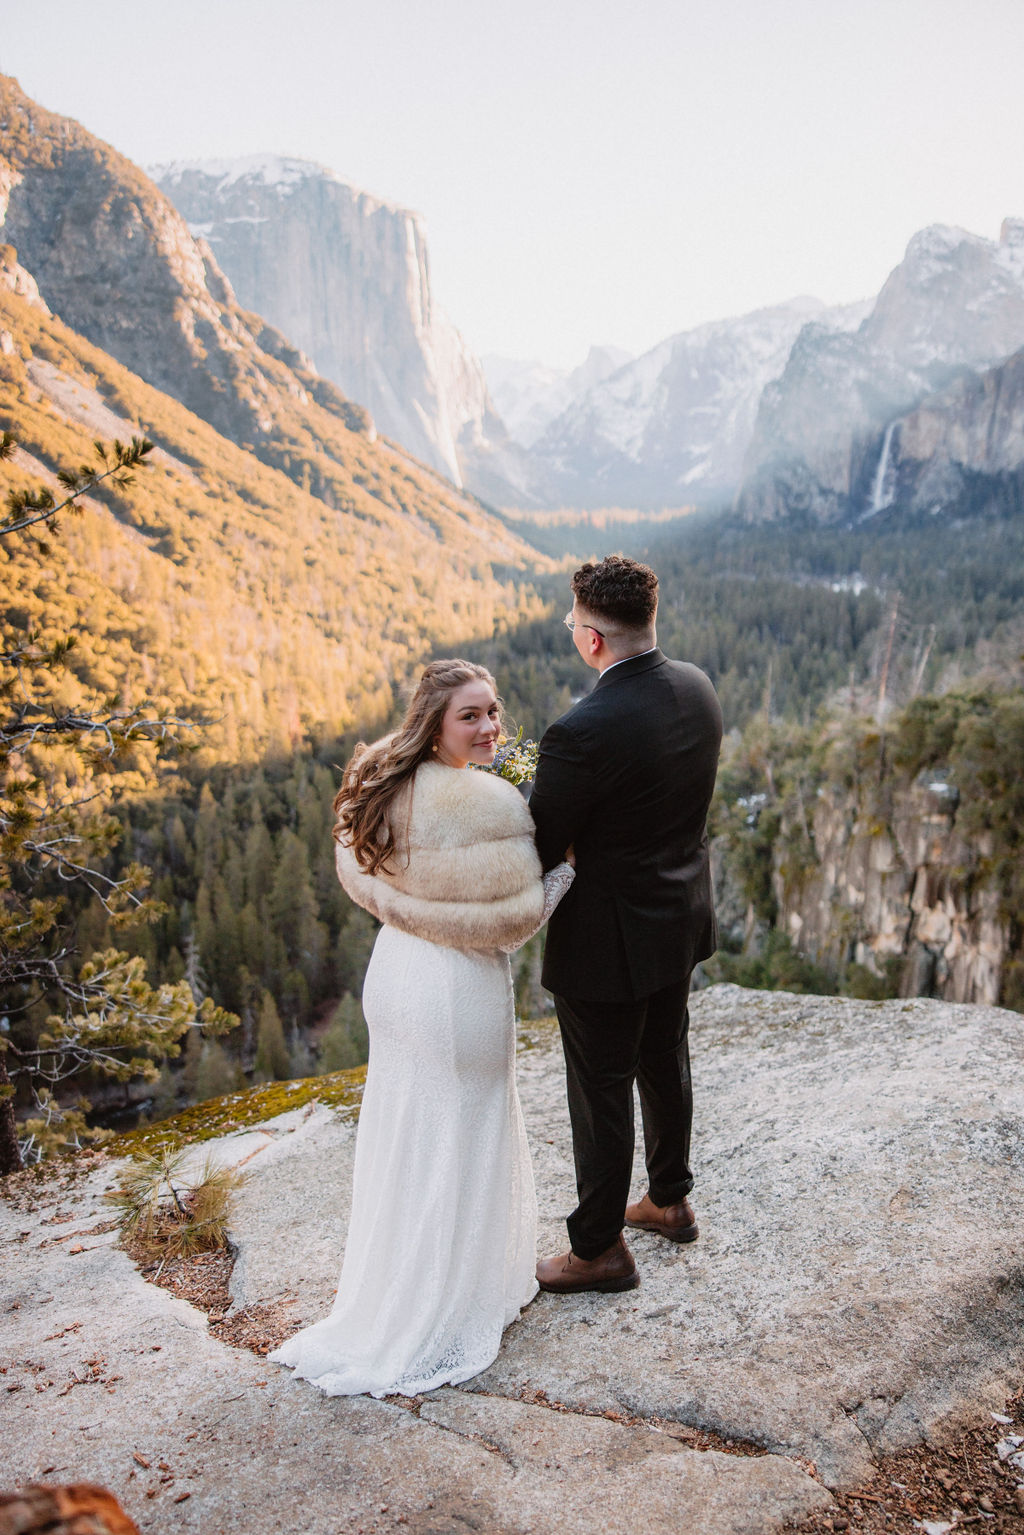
x: 465, y: 872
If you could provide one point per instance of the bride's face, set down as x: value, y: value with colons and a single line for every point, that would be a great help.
x: 469, y: 728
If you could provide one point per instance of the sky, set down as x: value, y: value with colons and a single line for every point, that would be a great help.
x: 589, y: 171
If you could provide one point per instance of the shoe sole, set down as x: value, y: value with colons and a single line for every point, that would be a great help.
x: 681, y: 1234
x: 605, y: 1286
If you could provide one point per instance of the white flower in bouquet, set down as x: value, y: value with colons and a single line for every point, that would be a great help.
x: 515, y: 759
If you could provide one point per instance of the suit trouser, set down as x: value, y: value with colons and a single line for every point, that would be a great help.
x: 608, y: 1046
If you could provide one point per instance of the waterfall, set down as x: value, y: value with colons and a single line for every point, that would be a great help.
x: 879, y: 499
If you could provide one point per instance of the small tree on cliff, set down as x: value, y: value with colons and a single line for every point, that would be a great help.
x: 60, y: 1018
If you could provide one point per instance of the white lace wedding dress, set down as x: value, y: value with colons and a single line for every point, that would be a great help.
x: 441, y: 1247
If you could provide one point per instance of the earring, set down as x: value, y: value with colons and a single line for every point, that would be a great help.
x: 434, y: 747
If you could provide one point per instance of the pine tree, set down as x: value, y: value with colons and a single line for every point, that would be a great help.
x: 179, y: 852
x: 259, y: 864
x: 216, y: 1075
x: 293, y: 911
x: 67, y: 1017
x: 346, y: 1042
x: 165, y: 1094
x: 272, y: 1060
x: 209, y: 837
x: 300, y: 1057
x: 355, y: 944
x: 195, y: 976
x: 190, y: 1070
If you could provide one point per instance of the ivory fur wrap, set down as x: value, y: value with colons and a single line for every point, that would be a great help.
x: 465, y: 872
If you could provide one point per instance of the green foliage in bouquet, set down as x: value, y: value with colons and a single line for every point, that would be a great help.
x: 515, y: 759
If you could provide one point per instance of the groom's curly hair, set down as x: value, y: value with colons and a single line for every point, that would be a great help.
x: 619, y: 590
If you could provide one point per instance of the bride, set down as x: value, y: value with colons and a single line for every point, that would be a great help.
x: 440, y: 1254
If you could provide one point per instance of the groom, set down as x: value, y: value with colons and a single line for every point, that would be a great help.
x: 625, y: 778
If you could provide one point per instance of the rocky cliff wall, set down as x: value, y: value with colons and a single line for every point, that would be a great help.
x: 961, y: 450
x: 346, y: 277
x: 892, y: 883
x: 825, y: 428
x: 117, y: 263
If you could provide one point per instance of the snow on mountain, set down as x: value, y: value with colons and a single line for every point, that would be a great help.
x: 789, y: 405
x: 272, y: 170
x: 820, y: 444
x: 955, y: 300
x: 673, y: 425
x: 346, y: 277
x: 529, y: 395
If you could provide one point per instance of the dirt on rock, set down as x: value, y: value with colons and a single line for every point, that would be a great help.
x: 939, y: 1489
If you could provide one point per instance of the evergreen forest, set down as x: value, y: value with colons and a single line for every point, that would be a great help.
x: 795, y: 628
x: 278, y: 627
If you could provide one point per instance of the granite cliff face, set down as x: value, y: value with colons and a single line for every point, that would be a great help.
x: 824, y: 433
x: 347, y: 278
x: 672, y: 427
x: 960, y: 451
x: 898, y: 888
x: 114, y: 259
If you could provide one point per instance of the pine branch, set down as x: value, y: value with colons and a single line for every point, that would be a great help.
x: 114, y: 731
x: 25, y: 508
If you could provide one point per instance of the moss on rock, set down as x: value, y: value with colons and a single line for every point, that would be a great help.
x: 341, y: 1090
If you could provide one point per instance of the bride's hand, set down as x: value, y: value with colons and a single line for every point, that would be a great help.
x: 570, y: 856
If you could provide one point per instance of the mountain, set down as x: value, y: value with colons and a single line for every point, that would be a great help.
x: 118, y: 263
x: 346, y: 277
x: 672, y: 427
x: 529, y: 395
x: 279, y: 585
x: 115, y: 260
x: 216, y: 585
x: 821, y: 442
x: 960, y: 451
x: 796, y: 409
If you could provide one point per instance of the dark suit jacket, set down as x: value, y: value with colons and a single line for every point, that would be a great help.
x: 626, y: 776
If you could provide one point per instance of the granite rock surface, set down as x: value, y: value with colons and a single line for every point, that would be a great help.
x: 858, y: 1285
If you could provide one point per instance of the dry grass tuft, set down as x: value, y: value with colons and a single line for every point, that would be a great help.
x: 163, y: 1213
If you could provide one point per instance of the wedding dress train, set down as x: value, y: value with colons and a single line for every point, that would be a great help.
x: 441, y: 1248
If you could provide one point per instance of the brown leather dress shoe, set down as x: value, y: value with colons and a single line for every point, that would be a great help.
x: 613, y: 1269
x: 677, y: 1222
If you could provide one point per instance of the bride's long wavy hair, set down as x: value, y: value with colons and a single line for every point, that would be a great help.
x: 376, y: 773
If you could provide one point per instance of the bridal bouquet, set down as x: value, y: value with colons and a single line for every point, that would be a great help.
x: 515, y: 759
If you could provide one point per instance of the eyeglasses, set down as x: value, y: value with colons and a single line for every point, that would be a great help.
x: 573, y: 623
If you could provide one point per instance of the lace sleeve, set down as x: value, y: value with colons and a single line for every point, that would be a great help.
x: 556, y: 884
